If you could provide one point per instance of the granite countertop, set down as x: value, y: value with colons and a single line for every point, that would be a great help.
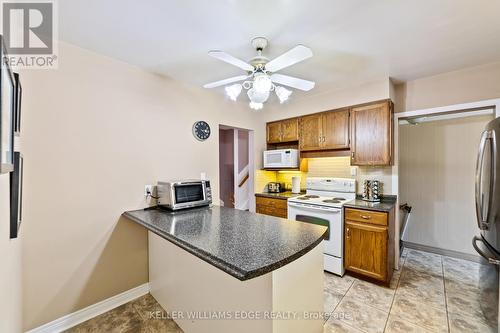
x: 242, y: 244
x: 281, y: 195
x: 385, y: 205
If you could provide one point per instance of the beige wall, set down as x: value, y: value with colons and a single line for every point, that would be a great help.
x: 10, y: 267
x: 95, y: 132
x: 436, y: 172
x: 466, y: 85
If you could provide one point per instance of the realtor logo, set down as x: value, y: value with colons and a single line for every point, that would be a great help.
x: 29, y: 30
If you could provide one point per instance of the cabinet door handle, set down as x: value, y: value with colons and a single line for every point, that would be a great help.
x: 348, y: 233
x: 366, y: 217
x: 352, y: 155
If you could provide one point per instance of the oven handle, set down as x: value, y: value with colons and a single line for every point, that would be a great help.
x: 316, y: 208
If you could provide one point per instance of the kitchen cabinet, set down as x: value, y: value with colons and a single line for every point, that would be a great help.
x: 335, y: 130
x: 369, y: 243
x: 310, y: 132
x: 271, y: 206
x: 325, y: 131
x: 283, y: 131
x: 371, y: 134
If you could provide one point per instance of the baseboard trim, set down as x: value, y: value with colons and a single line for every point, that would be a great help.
x: 91, y: 311
x: 444, y: 252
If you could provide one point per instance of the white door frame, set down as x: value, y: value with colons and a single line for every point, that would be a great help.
x: 490, y: 103
x: 251, y: 163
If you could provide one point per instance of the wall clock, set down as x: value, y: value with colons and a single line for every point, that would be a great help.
x: 201, y: 130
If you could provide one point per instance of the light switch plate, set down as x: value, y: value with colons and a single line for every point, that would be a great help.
x: 354, y: 171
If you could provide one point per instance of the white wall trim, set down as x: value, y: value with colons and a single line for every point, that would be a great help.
x: 493, y: 103
x: 91, y: 311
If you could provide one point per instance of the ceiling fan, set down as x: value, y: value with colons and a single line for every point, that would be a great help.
x: 261, y: 78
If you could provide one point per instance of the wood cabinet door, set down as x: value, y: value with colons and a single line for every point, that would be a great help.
x: 289, y: 130
x: 310, y: 132
x: 335, y: 130
x: 366, y: 249
x: 371, y: 139
x: 273, y: 132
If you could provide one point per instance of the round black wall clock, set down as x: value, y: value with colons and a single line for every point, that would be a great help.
x: 201, y: 130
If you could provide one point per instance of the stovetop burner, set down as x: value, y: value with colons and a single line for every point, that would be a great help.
x: 331, y: 201
x: 307, y: 197
x: 340, y: 198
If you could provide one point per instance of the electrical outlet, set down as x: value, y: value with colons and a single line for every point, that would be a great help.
x: 148, y: 190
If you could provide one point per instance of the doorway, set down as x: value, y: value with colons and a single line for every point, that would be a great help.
x: 236, y: 165
x: 437, y: 161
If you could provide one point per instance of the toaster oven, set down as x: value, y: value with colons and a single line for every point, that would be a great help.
x: 175, y: 195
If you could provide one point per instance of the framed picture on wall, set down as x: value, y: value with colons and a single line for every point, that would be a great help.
x: 16, y: 195
x: 17, y: 106
x: 7, y: 106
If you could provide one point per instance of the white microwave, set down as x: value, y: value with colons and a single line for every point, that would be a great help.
x: 281, y: 158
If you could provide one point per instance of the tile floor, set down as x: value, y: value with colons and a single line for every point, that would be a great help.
x: 431, y: 293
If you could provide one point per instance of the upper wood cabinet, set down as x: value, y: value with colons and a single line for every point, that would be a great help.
x: 283, y: 131
x: 310, y: 132
x: 335, y: 130
x: 326, y: 130
x: 371, y: 134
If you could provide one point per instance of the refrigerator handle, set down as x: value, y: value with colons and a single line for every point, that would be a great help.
x: 491, y: 260
x: 481, y: 219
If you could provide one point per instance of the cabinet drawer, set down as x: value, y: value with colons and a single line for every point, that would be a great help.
x: 267, y: 210
x: 270, y: 202
x: 366, y: 216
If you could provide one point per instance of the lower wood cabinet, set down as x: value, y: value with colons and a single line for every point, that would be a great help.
x: 369, y: 243
x: 271, y: 206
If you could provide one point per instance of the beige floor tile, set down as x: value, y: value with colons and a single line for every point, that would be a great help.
x: 359, y: 315
x: 376, y: 296
x: 421, y: 278
x: 119, y: 320
x: 429, y: 267
x: 481, y: 306
x: 398, y: 325
x: 331, y: 300
x: 339, y: 284
x: 420, y: 314
x: 429, y: 294
x: 337, y: 326
x: 469, y: 324
x: 396, y: 275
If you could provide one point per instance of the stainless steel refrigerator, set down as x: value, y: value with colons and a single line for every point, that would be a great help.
x: 487, y: 244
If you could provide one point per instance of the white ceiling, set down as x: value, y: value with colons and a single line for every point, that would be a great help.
x: 353, y: 41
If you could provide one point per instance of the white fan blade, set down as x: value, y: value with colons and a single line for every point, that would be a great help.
x: 225, y: 81
x: 292, y: 82
x: 221, y: 55
x: 289, y: 58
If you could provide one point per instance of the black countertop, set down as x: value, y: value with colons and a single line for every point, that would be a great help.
x: 242, y: 244
x: 385, y: 205
x: 281, y: 195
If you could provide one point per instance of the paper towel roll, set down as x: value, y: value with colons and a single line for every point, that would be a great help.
x: 296, y: 184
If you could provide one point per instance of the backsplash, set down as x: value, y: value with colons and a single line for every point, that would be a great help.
x: 327, y: 167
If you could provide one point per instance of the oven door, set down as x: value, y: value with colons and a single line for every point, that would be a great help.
x: 188, y: 194
x: 326, y: 216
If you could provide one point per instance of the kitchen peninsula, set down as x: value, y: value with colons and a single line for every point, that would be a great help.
x: 247, y: 272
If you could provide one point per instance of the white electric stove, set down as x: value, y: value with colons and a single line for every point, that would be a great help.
x: 322, y: 205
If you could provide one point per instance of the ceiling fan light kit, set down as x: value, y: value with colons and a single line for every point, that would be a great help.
x: 261, y: 79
